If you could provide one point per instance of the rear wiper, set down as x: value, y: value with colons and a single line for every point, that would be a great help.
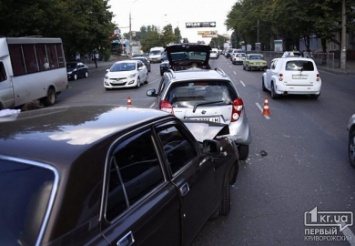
x: 205, y: 103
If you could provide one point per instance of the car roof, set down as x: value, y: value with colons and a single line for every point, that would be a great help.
x: 139, y: 57
x: 130, y: 60
x: 63, y: 133
x: 196, y: 73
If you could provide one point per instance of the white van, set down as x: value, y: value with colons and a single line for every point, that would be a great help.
x: 156, y: 54
x: 31, y: 69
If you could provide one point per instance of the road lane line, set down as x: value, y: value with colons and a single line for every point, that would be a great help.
x: 266, y: 116
x: 349, y: 236
x: 242, y: 83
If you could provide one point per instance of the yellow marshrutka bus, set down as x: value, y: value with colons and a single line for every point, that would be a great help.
x: 31, y: 69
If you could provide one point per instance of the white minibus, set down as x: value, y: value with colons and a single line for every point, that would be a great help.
x: 31, y: 69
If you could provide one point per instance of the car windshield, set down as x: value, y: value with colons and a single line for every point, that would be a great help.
x: 124, y: 66
x: 299, y: 65
x: 187, y: 94
x: 155, y: 52
x: 255, y: 57
x: 71, y: 65
x: 25, y: 192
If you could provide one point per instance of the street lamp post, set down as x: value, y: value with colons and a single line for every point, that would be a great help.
x: 130, y: 35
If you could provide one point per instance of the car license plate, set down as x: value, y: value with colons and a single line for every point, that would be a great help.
x: 299, y: 76
x: 212, y: 119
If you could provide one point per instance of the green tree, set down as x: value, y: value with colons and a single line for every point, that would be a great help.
x: 82, y: 25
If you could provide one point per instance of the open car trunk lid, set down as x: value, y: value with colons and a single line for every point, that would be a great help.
x: 182, y: 53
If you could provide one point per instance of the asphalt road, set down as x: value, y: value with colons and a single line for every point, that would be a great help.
x: 285, y: 196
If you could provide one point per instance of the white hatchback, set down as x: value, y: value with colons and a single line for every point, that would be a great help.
x: 294, y: 75
x: 127, y: 73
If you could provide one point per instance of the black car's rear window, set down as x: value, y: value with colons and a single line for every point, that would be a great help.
x: 299, y: 65
x: 188, y: 56
x: 24, y: 197
x: 201, y: 91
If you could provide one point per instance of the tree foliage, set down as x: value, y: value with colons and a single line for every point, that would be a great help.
x: 289, y: 20
x: 82, y: 25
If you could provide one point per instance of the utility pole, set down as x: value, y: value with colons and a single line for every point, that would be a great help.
x: 130, y: 35
x: 343, y: 37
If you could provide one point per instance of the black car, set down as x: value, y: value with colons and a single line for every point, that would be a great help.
x: 77, y: 70
x: 144, y: 60
x: 164, y: 65
x: 109, y: 175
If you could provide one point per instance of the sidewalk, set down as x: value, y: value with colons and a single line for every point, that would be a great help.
x: 102, y: 65
x: 350, y: 69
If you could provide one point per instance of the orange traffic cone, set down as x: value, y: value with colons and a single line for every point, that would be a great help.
x: 266, y: 110
x: 129, y: 102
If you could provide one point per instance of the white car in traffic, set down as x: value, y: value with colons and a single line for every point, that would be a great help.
x: 294, y: 75
x: 127, y: 73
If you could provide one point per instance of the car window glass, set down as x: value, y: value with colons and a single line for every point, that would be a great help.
x: 24, y: 195
x: 299, y: 65
x: 2, y: 72
x: 163, y: 81
x: 178, y: 150
x: 135, y: 171
x: 189, y: 93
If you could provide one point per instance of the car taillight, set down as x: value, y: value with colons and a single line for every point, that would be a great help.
x: 318, y: 77
x: 237, y: 108
x: 280, y: 76
x: 166, y: 106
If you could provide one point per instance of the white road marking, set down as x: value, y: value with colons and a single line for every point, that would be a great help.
x: 349, y: 236
x: 242, y: 83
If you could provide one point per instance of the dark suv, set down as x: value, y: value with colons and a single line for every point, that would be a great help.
x: 191, y: 90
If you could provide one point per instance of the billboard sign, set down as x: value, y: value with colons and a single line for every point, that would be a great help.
x: 200, y: 24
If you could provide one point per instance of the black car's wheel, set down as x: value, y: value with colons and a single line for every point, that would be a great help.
x: 50, y: 99
x: 273, y: 93
x: 86, y: 74
x: 263, y: 84
x: 75, y: 77
x: 351, y: 147
x: 225, y: 205
x: 243, y: 152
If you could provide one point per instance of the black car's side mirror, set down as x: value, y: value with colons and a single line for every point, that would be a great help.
x: 211, y: 146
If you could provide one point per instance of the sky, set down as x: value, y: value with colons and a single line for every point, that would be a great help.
x: 177, y: 12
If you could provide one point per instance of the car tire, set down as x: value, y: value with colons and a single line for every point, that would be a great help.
x: 138, y: 82
x: 314, y: 96
x: 225, y: 205
x: 75, y: 77
x: 263, y: 84
x: 50, y: 99
x: 86, y: 74
x: 243, y: 152
x: 272, y: 92
x: 351, y: 147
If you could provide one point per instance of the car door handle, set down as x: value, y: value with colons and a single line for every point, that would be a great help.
x: 184, y: 189
x: 126, y: 240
